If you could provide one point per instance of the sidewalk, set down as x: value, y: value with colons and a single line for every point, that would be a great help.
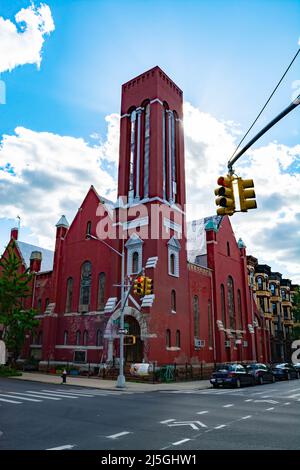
x: 111, y: 384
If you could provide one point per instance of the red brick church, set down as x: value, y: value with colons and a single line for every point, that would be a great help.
x: 202, y: 310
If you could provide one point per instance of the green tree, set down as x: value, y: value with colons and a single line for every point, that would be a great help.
x: 15, y: 287
x: 296, y: 313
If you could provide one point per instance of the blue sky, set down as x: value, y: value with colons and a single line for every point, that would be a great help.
x: 226, y: 56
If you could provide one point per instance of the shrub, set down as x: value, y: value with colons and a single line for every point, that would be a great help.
x: 7, y: 371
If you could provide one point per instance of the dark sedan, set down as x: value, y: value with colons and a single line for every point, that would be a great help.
x: 234, y: 375
x: 285, y: 371
x: 261, y: 373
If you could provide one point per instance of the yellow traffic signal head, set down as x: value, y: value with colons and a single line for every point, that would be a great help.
x: 139, y: 286
x: 148, y: 286
x: 225, y: 193
x: 246, y: 194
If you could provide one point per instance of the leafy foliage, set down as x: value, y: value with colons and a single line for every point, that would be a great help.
x: 15, y: 287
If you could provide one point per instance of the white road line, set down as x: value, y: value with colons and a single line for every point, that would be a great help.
x: 42, y: 396
x: 69, y: 446
x: 247, y: 417
x: 202, y: 412
x: 53, y: 394
x: 269, y: 409
x: 68, y: 393
x: 287, y: 403
x: 180, y: 442
x: 296, y: 395
x: 249, y: 399
x: 167, y: 421
x: 228, y: 406
x: 114, y: 436
x: 10, y: 401
x: 19, y: 397
x: 294, y: 390
x: 220, y: 426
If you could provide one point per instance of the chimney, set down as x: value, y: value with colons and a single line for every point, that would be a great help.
x: 35, y: 261
x: 14, y: 233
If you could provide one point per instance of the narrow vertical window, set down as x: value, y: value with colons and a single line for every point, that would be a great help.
x: 172, y: 263
x: 173, y: 300
x: 101, y: 291
x: 69, y: 295
x: 210, y: 330
x: 88, y: 228
x: 164, y: 155
x: 135, y: 262
x: 196, y: 316
x: 46, y: 303
x: 147, y: 150
x: 231, y: 308
x: 85, y: 338
x: 178, y: 338
x: 132, y: 154
x: 99, y: 338
x: 85, y: 285
x: 40, y: 338
x: 228, y: 249
x: 39, y: 305
x: 223, y: 306
x: 168, y: 338
x: 78, y: 337
x: 65, y: 337
x: 240, y: 313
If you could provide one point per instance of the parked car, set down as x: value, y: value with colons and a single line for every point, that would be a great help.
x: 261, y: 373
x: 234, y: 375
x: 297, y: 366
x: 285, y: 371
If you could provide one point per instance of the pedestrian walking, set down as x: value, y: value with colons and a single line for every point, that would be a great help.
x: 64, y: 376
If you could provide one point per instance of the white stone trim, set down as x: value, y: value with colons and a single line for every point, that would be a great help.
x: 125, y: 115
x: 156, y: 100
x: 172, y: 348
x: 170, y: 224
x: 80, y: 348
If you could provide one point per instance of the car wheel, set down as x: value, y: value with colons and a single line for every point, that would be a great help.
x: 238, y: 383
x: 260, y: 380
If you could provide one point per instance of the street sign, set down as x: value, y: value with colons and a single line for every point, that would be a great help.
x: 123, y: 331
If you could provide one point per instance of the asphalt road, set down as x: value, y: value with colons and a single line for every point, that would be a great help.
x: 42, y: 416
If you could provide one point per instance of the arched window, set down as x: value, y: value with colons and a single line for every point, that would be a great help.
x: 132, y: 152
x: 173, y: 300
x: 259, y: 283
x: 168, y: 338
x: 171, y: 156
x: 231, y: 308
x: 39, y: 305
x: 273, y: 289
x: 78, y: 337
x: 135, y: 262
x: 196, y: 316
x: 223, y: 305
x: 101, y: 291
x: 228, y: 249
x: 88, y: 228
x: 66, y: 337
x: 69, y: 295
x: 210, y: 327
x: 99, y: 338
x: 85, y: 338
x: 85, y: 286
x: 177, y: 338
x: 146, y: 149
x: 46, y: 303
x: 283, y: 294
x: 240, y: 313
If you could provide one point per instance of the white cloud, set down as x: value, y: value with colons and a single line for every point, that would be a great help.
x: 23, y: 45
x: 49, y: 176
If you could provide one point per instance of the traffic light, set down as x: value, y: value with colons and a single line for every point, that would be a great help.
x: 139, y: 286
x: 246, y: 194
x: 129, y: 340
x: 148, y: 286
x: 225, y: 199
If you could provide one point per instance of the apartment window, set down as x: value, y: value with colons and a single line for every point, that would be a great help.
x: 262, y: 303
x: 274, y: 309
x: 65, y: 337
x: 69, y: 295
x: 283, y: 294
x: 223, y: 305
x: 101, y: 291
x: 178, y: 338
x: 173, y: 300
x: 196, y: 316
x: 259, y: 283
x: 85, y: 284
x: 168, y: 338
x: 273, y: 289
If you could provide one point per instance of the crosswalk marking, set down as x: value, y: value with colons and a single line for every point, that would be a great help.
x: 69, y: 393
x: 119, y: 434
x: 19, y: 397
x: 53, y: 394
x: 10, y: 401
x: 37, y: 395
